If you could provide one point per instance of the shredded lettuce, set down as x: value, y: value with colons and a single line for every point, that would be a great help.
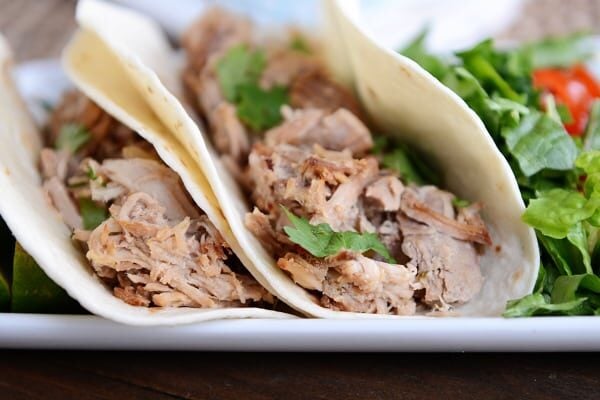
x: 540, y: 142
x: 558, y: 52
x: 555, y: 211
x: 399, y: 162
x: 407, y: 163
x: 591, y: 137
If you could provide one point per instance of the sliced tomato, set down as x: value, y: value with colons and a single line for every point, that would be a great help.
x: 575, y: 87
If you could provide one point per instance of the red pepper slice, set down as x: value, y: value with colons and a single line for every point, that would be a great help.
x: 575, y: 87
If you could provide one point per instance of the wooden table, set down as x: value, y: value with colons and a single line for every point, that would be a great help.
x: 39, y: 28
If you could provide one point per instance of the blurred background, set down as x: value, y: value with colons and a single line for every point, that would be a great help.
x: 39, y: 29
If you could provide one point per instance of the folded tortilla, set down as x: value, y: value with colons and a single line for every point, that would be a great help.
x: 399, y: 97
x: 41, y: 230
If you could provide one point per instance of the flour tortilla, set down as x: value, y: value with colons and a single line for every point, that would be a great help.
x: 39, y: 227
x: 405, y: 100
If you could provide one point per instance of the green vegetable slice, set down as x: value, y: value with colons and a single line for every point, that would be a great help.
x: 33, y: 291
x: 4, y: 293
x: 7, y: 244
x: 321, y: 241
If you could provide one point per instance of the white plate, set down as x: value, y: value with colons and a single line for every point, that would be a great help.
x: 467, y: 334
x: 44, y: 81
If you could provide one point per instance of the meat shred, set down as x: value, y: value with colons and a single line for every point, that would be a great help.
x: 316, y: 163
x: 155, y: 248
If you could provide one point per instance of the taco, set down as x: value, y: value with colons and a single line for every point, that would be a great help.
x: 336, y: 226
x: 108, y: 208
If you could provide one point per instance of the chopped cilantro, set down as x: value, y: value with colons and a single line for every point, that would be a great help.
x: 321, y: 241
x: 460, y: 203
x: 92, y: 214
x: 300, y: 44
x: 91, y: 174
x: 240, y: 66
x: 72, y: 137
x: 260, y: 109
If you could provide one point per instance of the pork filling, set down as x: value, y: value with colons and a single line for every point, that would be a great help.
x: 142, y: 234
x: 315, y: 160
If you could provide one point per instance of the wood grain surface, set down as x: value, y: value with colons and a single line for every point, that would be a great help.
x: 40, y: 28
x: 249, y: 376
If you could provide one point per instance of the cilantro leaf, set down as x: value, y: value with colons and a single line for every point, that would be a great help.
x: 260, y: 109
x: 299, y: 43
x: 321, y: 241
x: 239, y: 66
x: 72, y: 137
x: 92, y: 214
x: 460, y: 203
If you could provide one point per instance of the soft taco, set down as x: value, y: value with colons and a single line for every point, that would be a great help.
x: 337, y: 222
x: 109, y: 209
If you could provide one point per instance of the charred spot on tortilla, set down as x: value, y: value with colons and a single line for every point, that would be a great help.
x: 138, y: 227
x: 359, y: 230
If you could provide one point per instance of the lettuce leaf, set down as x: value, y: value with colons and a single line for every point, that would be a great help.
x: 399, y: 161
x: 591, y: 138
x: 559, y: 52
x: 416, y: 50
x: 539, y: 142
x: 556, y: 211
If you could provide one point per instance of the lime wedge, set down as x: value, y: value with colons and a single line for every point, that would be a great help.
x: 7, y: 245
x: 33, y: 291
x: 4, y: 293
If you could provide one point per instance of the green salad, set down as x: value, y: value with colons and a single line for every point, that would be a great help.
x: 541, y: 105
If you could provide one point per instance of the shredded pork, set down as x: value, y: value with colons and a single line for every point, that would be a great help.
x: 316, y: 163
x: 154, y: 248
